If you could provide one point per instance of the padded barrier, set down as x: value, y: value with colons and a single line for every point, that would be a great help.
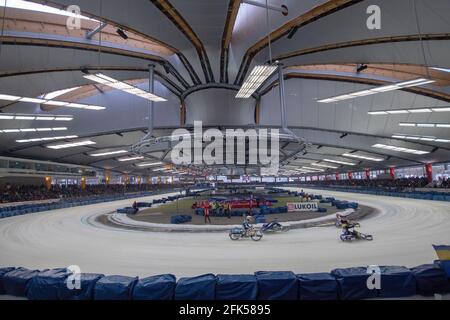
x: 3, y: 271
x: 430, y: 279
x: 16, y: 210
x: 397, y: 282
x: 445, y: 265
x: 318, y: 286
x: 196, y: 288
x: 353, y: 283
x: 236, y: 287
x: 46, y: 284
x: 86, y: 291
x: 128, y: 210
x: 155, y: 288
x: 16, y: 282
x: 179, y: 219
x: 342, y: 284
x: 114, y: 288
x: 277, y: 285
x: 144, y: 205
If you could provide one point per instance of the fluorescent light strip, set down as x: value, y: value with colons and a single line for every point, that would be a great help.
x: 32, y: 130
x: 399, y: 149
x: 313, y: 169
x: 323, y: 165
x: 58, y: 93
x: 356, y: 156
x: 130, y: 159
x: 386, y: 88
x: 421, y: 138
x: 108, y: 153
x: 71, y: 145
x: 26, y: 5
x: 7, y: 97
x: 424, y: 125
x: 440, y: 69
x: 119, y: 85
x: 150, y: 164
x: 340, y: 162
x: 255, y: 80
x: 45, y: 139
x: 407, y: 111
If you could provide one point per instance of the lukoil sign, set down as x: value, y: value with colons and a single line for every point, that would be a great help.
x: 302, y: 206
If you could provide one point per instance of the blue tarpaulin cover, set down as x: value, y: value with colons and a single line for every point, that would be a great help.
x: 397, y: 282
x: 277, y: 285
x: 16, y: 282
x: 236, y: 287
x: 86, y: 291
x: 318, y: 286
x: 3, y: 271
x: 196, y: 288
x: 430, y: 279
x: 114, y: 288
x: 155, y: 288
x: 353, y: 283
x: 45, y: 285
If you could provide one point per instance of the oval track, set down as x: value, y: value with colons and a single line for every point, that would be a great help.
x: 404, y: 231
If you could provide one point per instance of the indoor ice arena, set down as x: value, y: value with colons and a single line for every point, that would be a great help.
x: 224, y: 150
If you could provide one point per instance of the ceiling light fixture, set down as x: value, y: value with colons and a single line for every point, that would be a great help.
x: 440, y: 69
x: 255, y: 80
x: 109, y: 153
x: 45, y: 139
x: 71, y: 145
x: 32, y: 130
x: 406, y: 111
x: 424, y: 125
x: 324, y: 165
x: 313, y: 169
x: 386, y: 88
x: 150, y: 164
x: 399, y: 149
x: 130, y: 159
x: 27, y: 5
x: 7, y: 97
x: 122, y: 86
x: 356, y: 156
x: 422, y: 138
x: 340, y: 162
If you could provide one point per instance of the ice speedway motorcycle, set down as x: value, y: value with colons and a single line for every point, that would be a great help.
x: 274, y: 226
x: 239, y: 233
x: 352, y: 234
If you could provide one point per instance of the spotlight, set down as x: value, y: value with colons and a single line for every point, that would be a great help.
x: 122, y: 33
x: 361, y: 67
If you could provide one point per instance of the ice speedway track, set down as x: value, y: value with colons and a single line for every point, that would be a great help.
x: 404, y: 231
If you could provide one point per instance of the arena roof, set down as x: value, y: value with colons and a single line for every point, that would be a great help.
x: 203, y: 51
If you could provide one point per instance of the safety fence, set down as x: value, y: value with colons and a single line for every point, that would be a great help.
x: 339, y: 284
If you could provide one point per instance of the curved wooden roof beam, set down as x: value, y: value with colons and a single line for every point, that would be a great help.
x: 233, y: 10
x: 177, y: 19
x: 312, y: 15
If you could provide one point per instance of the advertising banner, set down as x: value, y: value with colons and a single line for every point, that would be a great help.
x: 302, y: 207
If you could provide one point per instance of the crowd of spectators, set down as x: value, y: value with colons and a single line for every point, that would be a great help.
x: 15, y: 193
x: 389, y: 184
